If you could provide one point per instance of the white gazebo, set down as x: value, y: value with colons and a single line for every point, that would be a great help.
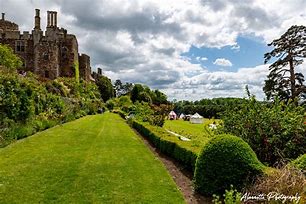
x: 196, y: 119
x: 172, y: 115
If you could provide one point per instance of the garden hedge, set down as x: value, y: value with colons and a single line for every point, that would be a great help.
x: 166, y: 143
x: 224, y: 161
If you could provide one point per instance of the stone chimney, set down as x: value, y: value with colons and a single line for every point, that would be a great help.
x: 55, y: 18
x: 48, y: 18
x: 51, y: 19
x: 3, y: 16
x: 37, y: 19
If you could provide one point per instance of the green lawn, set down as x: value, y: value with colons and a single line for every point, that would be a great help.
x: 96, y: 159
x: 198, y: 133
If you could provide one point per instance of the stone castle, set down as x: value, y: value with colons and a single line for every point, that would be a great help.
x: 52, y: 55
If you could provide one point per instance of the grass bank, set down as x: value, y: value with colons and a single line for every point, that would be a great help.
x: 96, y: 159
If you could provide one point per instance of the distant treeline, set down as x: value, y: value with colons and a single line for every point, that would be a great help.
x: 208, y: 108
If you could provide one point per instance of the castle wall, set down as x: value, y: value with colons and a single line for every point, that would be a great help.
x: 69, y: 56
x: 7, y: 25
x: 47, y: 58
x: 85, y: 69
x: 50, y: 56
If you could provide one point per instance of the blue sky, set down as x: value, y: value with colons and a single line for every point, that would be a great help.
x: 248, y: 52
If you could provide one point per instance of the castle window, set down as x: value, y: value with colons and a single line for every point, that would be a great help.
x: 47, y: 75
x: 64, y: 52
x: 46, y: 56
x: 20, y: 46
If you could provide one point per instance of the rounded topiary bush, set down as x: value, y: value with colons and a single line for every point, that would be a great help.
x: 224, y: 161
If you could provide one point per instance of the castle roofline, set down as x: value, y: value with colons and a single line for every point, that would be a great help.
x: 6, y: 25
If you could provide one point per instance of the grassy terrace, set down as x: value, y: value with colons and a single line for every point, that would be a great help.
x: 96, y: 159
x: 198, y: 133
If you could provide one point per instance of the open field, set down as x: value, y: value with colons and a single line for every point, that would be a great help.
x: 198, y: 133
x: 96, y: 159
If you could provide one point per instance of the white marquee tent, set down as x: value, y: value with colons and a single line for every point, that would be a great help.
x: 196, y: 119
x: 182, y: 116
x: 172, y: 115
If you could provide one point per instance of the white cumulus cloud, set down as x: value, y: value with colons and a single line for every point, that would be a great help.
x: 223, y: 62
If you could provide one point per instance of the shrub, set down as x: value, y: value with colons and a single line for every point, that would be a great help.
x: 157, y: 120
x: 160, y: 112
x: 142, y: 111
x: 28, y: 105
x: 16, y: 98
x: 276, y: 132
x: 8, y: 59
x: 224, y: 161
x: 300, y: 163
x: 110, y: 104
x: 231, y: 196
x: 145, y: 97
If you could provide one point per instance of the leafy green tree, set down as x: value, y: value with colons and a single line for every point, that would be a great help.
x: 127, y: 88
x: 144, y: 93
x: 142, y: 111
x: 160, y: 98
x: 145, y: 97
x: 118, y: 86
x: 274, y: 131
x: 8, y: 59
x: 208, y: 107
x: 283, y: 81
x: 105, y: 87
x: 125, y: 101
x: 122, y: 89
x: 137, y: 89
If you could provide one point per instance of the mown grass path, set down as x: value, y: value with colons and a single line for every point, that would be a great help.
x: 96, y: 159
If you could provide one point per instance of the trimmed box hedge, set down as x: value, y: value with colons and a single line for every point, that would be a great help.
x: 167, y: 143
x: 224, y: 161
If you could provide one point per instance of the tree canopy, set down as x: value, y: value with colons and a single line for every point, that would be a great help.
x: 144, y: 93
x: 8, y: 59
x: 105, y: 87
x: 283, y: 80
x: 122, y: 89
